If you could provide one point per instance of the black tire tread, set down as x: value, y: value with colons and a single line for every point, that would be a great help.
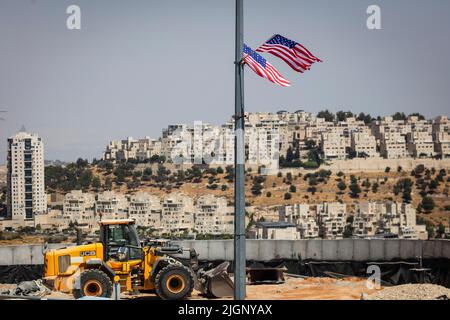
x: 166, y: 269
x: 77, y: 293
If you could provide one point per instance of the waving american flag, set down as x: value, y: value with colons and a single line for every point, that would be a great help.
x: 294, y: 54
x: 263, y: 68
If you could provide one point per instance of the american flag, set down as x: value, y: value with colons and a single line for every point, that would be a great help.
x: 294, y: 54
x: 263, y: 68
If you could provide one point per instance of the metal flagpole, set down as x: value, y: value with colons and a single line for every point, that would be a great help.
x: 239, y: 161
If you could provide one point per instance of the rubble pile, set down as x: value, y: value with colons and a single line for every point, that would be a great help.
x: 412, y: 292
x: 28, y: 288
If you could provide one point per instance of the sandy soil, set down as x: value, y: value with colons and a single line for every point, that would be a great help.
x: 292, y: 289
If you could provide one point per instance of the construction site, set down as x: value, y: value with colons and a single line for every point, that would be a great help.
x: 349, y: 269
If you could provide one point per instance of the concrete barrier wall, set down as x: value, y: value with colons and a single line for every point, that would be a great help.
x: 27, y: 254
x: 330, y: 250
x: 265, y: 250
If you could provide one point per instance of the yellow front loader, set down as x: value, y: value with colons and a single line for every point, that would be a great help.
x: 91, y: 269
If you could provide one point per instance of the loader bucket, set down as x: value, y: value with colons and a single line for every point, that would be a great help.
x: 216, y: 283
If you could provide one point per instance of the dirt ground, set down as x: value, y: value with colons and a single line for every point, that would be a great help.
x: 292, y: 289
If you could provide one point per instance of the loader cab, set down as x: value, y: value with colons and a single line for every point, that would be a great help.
x: 120, y: 240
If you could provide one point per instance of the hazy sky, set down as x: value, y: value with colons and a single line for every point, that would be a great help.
x: 137, y: 66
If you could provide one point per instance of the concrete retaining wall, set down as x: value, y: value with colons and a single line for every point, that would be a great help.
x: 377, y: 165
x: 265, y: 250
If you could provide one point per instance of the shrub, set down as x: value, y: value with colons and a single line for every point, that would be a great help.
x: 427, y: 204
x: 342, y: 186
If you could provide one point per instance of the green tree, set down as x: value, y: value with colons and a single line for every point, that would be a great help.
x: 427, y: 204
x: 440, y: 230
x: 310, y: 144
x: 108, y: 184
x: 341, y: 186
x: 375, y: 187
x: 148, y: 171
x: 367, y: 118
x: 355, y: 190
x: 343, y: 115
x: 348, y: 231
x: 399, y: 116
x: 82, y: 163
x: 420, y: 116
x: 86, y: 179
x: 327, y: 115
x: 96, y: 183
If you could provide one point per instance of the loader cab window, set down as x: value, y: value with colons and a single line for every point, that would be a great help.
x: 122, y: 242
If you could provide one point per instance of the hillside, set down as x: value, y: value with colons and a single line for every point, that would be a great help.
x: 262, y: 191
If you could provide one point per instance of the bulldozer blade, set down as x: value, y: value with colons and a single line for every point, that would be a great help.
x: 216, y: 283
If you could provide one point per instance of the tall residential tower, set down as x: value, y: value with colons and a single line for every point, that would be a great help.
x: 25, y: 179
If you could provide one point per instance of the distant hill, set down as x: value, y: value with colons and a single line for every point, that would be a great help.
x: 263, y: 191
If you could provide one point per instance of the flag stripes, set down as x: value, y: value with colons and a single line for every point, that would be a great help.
x: 294, y: 54
x: 263, y: 68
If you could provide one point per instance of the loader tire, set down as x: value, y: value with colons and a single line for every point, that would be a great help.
x: 174, y: 282
x: 94, y: 283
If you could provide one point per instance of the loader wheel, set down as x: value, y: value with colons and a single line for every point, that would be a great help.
x: 174, y: 282
x: 94, y: 283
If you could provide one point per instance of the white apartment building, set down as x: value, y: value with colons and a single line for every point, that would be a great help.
x: 334, y: 145
x: 263, y: 145
x: 372, y: 218
x: 268, y: 135
x: 420, y: 142
x: 54, y: 219
x: 441, y: 136
x: 111, y: 205
x: 303, y: 217
x: 146, y: 210
x: 225, y: 153
x: 362, y: 142
x: 214, y: 216
x: 191, y: 145
x: 79, y: 206
x: 177, y: 213
x: 387, y: 124
x: 276, y: 231
x: 326, y: 220
x: 315, y: 128
x: 393, y: 144
x: 367, y: 218
x: 331, y: 217
x: 25, y: 177
x: 130, y: 148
